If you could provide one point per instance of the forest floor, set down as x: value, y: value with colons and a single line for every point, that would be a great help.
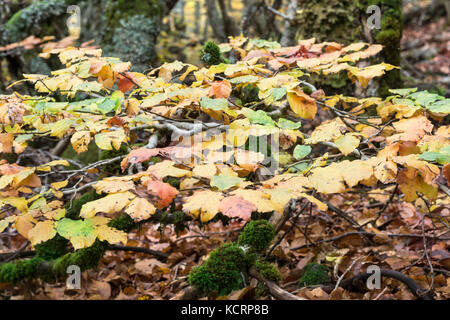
x: 403, y: 240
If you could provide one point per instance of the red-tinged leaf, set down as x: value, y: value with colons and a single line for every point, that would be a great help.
x: 137, y: 156
x: 220, y: 89
x: 125, y: 83
x: 236, y: 207
x: 446, y: 173
x: 116, y: 122
x: 164, y: 191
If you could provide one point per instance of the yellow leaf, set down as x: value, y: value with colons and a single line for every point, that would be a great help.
x: 166, y: 168
x: 203, y: 204
x: 111, y: 235
x: 411, y: 183
x: 347, y: 143
x: 80, y: 141
x: 59, y: 185
x: 140, y: 209
x: 41, y: 232
x: 110, y: 204
x: 327, y: 180
x: 205, y: 170
x: 113, y: 185
x: 110, y: 139
x: 303, y: 105
x: 327, y: 131
x: 260, y: 199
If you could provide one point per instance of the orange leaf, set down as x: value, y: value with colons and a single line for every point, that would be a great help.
x: 164, y: 191
x: 220, y: 89
x: 138, y: 155
x: 125, y: 83
x: 303, y: 105
x: 235, y: 206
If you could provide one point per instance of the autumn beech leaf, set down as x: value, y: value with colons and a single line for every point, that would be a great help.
x: 166, y: 168
x: 125, y: 82
x: 446, y: 172
x: 223, y: 182
x: 6, y: 222
x: 301, y: 104
x: 140, y: 209
x: 110, y: 204
x: 205, y: 170
x: 42, y: 231
x: 111, y: 235
x: 47, y: 166
x: 327, y: 131
x: 80, y: 141
x: 6, y: 142
x: 366, y: 74
x: 138, y: 155
x: 113, y: 185
x: 80, y: 233
x: 59, y: 185
x: 347, y: 143
x: 220, y: 89
x: 110, y: 139
x: 327, y: 180
x: 427, y: 170
x: 236, y: 207
x: 412, y: 184
x: 354, y: 171
x: 412, y: 129
x: 163, y: 191
x: 260, y: 199
x: 203, y: 204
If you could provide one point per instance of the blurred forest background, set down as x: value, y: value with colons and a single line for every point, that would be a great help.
x: 414, y: 33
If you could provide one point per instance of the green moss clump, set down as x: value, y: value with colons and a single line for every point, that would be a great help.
x: 113, y: 167
x: 211, y: 54
x: 257, y: 234
x: 222, y: 272
x: 85, y: 258
x: 53, y: 248
x: 314, y: 274
x: 173, y: 181
x: 267, y: 270
x: 122, y: 222
x: 12, y: 272
x: 74, y: 211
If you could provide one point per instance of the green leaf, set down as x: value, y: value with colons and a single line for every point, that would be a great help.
x: 81, y: 233
x: 405, y: 102
x: 274, y: 94
x: 258, y: 117
x: 245, y: 79
x: 223, y: 182
x: 442, y: 106
x: 441, y: 157
x: 51, y: 107
x: 424, y: 98
x: 301, y: 151
x: 288, y: 124
x: 214, y: 104
x: 403, y: 92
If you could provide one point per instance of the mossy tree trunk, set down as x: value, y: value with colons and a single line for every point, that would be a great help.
x: 345, y: 21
